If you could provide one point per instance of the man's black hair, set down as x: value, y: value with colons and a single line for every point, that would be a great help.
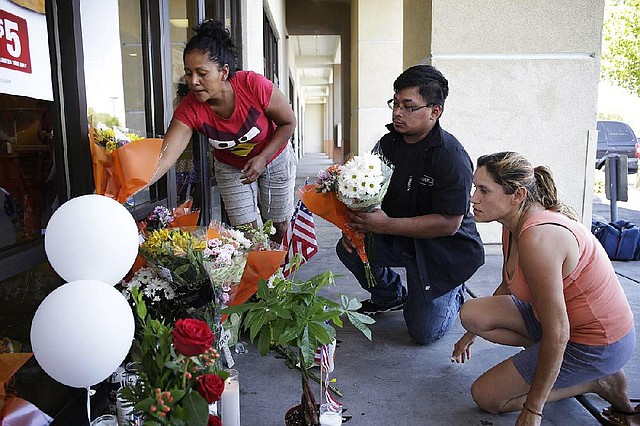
x: 432, y: 85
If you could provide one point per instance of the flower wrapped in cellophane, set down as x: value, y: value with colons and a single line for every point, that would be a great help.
x: 358, y: 185
x: 235, y: 259
x: 176, y: 255
x: 225, y: 254
x: 123, y: 160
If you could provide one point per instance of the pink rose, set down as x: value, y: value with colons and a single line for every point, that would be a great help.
x: 210, y: 387
x: 192, y: 336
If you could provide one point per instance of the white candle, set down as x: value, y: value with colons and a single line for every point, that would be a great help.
x: 330, y: 419
x: 230, y: 400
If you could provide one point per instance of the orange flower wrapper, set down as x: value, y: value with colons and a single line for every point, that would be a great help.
x: 327, y: 206
x: 10, y: 363
x: 125, y: 171
x: 184, y: 216
x: 260, y: 265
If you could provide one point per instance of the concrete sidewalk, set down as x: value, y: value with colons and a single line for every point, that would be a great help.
x: 392, y: 381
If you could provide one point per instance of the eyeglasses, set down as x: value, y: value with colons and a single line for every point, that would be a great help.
x: 393, y: 105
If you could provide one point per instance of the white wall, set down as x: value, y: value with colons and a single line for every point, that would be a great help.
x: 252, y: 48
x: 313, y: 128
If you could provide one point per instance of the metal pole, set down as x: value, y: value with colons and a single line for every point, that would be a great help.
x: 612, y: 170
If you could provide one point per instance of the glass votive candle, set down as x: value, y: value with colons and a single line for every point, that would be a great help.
x: 330, y: 416
x: 105, y: 420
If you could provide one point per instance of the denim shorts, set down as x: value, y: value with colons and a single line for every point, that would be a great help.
x: 271, y: 196
x: 581, y: 363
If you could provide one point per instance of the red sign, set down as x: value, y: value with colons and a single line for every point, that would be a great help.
x: 14, y: 43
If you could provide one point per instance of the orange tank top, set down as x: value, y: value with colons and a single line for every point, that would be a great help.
x: 598, y: 310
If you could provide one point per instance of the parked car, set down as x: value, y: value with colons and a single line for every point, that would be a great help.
x: 617, y: 137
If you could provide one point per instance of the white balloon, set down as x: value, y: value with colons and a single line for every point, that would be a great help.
x: 91, y: 237
x: 81, y: 332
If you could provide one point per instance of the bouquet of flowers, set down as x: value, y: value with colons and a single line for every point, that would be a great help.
x: 358, y: 185
x: 176, y: 255
x: 151, y: 284
x: 161, y: 217
x: 112, y: 138
x: 123, y: 161
x: 178, y: 371
x: 235, y: 259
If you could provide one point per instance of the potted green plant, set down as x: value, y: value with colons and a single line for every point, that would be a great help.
x: 293, y: 315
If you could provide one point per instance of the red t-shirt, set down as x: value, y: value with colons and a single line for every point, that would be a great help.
x: 243, y: 135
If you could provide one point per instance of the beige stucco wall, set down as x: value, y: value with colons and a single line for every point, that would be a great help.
x: 523, y: 77
x: 377, y: 39
x: 417, y: 31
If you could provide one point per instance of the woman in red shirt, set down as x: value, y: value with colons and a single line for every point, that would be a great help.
x: 248, y: 122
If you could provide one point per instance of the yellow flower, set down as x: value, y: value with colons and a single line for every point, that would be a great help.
x: 110, y: 146
x: 133, y: 137
x: 156, y: 241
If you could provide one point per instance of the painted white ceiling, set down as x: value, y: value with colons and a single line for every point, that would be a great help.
x: 315, y: 56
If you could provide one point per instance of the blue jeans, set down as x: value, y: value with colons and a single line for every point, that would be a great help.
x: 427, y: 317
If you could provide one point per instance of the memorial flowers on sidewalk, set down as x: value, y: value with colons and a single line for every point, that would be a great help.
x: 178, y: 370
x: 358, y: 185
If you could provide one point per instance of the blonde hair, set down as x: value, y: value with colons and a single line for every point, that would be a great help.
x: 511, y: 170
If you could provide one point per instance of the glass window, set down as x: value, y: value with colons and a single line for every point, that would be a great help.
x: 270, y: 53
x: 113, y: 66
x: 182, y: 20
x: 27, y: 173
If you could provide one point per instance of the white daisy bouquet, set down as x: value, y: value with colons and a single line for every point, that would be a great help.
x: 151, y: 284
x: 359, y: 184
x: 362, y: 182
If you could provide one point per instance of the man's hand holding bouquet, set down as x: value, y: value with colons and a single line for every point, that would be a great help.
x: 357, y: 186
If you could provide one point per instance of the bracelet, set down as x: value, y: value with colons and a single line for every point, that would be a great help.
x: 531, y: 410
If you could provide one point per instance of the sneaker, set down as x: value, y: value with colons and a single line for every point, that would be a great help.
x: 369, y: 307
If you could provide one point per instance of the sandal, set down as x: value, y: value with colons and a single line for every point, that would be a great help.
x: 616, y: 417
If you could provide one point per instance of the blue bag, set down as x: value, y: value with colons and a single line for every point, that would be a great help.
x: 620, y: 239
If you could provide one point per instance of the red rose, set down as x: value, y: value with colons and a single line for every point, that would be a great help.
x: 214, y: 421
x: 210, y: 387
x: 192, y: 336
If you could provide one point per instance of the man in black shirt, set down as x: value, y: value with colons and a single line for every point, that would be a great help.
x: 424, y: 225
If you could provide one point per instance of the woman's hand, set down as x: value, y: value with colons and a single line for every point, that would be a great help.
x: 527, y: 418
x: 462, y: 348
x: 253, y: 169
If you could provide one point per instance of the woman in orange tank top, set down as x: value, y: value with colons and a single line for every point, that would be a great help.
x: 559, y: 299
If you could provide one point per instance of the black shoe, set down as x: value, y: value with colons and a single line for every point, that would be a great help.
x: 369, y: 307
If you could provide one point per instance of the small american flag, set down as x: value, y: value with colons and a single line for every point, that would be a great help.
x: 299, y: 238
x: 326, y: 358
